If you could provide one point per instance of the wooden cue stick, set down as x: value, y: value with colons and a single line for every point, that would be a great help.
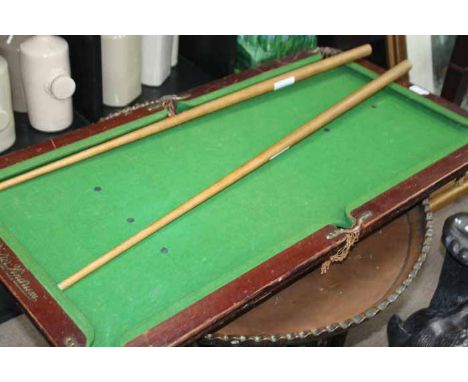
x: 248, y: 167
x: 196, y: 112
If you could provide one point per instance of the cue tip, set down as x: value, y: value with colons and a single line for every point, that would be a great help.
x: 368, y: 47
x: 407, y: 63
x: 404, y: 65
x: 61, y: 286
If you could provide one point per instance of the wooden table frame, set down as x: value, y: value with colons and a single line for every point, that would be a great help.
x: 247, y: 290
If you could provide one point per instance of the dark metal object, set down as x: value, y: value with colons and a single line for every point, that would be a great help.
x: 445, y: 321
x: 455, y: 237
x: 335, y: 340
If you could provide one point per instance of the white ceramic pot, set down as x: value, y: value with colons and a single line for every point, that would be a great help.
x: 121, y: 69
x: 156, y: 59
x: 10, y: 50
x: 45, y: 67
x: 7, y: 121
x: 175, y: 50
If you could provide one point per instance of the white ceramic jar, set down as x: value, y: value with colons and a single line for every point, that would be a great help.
x: 121, y: 69
x: 7, y: 121
x: 45, y: 67
x: 10, y: 50
x: 156, y: 59
x: 175, y: 50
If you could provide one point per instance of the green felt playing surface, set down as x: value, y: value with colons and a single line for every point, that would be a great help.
x: 58, y: 223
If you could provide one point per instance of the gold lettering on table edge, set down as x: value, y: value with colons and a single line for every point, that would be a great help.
x: 15, y: 274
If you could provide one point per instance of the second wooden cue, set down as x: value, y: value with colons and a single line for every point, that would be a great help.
x: 195, y: 112
x: 289, y: 140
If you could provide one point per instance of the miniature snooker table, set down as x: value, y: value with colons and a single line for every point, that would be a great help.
x: 234, y: 250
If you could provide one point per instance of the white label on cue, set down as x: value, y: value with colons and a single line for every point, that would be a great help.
x: 281, y: 152
x: 283, y: 83
x: 419, y: 90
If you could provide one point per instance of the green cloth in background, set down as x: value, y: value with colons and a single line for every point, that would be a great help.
x: 254, y: 50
